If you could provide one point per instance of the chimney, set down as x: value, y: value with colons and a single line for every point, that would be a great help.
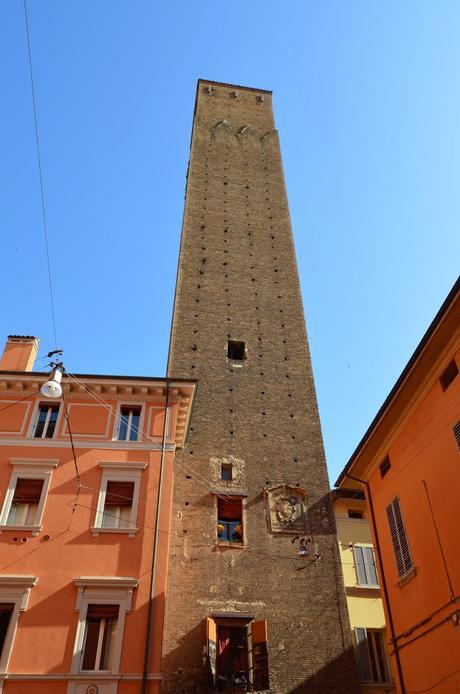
x: 19, y: 353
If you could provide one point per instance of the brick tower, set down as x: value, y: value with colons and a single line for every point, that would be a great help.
x: 255, y: 593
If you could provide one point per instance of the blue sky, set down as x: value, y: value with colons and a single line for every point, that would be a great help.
x: 368, y: 109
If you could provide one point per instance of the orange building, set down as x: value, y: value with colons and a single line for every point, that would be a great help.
x: 84, y: 528
x: 409, y: 466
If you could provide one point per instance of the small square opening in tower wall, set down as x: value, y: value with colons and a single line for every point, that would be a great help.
x: 236, y: 350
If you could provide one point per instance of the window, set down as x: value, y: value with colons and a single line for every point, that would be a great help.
x: 129, y: 419
x: 403, y: 556
x: 14, y: 596
x: 129, y: 423
x: 237, y: 654
x: 99, y: 639
x: 25, y: 501
x: 366, y: 570
x: 46, y: 421
x: 448, y: 375
x: 385, y: 466
x: 118, y: 498
x: 26, y: 495
x: 456, y: 431
x: 235, y: 350
x: 372, y: 657
x: 6, y: 611
x: 356, y: 515
x: 226, y: 472
x: 230, y: 520
x: 103, y: 604
x: 118, y: 504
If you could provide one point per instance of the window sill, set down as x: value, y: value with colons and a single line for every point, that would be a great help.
x: 225, y: 544
x: 372, y: 685
x: 407, y: 577
x: 131, y: 532
x: 34, y: 529
x: 363, y: 591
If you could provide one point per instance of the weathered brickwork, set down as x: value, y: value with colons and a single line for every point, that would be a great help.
x: 238, y: 280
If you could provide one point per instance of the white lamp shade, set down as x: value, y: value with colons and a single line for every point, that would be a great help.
x: 52, y: 388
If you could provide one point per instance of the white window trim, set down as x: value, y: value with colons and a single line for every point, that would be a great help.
x: 36, y: 414
x: 117, y: 422
x: 102, y: 590
x: 32, y: 469
x: 14, y: 589
x: 119, y: 472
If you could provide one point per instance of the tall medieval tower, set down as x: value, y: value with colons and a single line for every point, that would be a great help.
x: 255, y: 589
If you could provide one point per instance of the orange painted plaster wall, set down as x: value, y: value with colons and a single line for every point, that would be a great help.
x: 46, y: 631
x: 425, y: 451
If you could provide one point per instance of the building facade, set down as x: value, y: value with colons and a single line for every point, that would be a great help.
x: 362, y: 587
x: 255, y: 591
x: 82, y: 536
x: 408, y: 466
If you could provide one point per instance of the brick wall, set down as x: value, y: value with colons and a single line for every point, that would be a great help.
x: 238, y: 280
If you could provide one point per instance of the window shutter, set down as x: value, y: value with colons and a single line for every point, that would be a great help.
x: 360, y: 567
x: 211, y: 648
x: 457, y: 433
x: 102, y: 612
x: 28, y: 491
x: 371, y: 569
x: 399, y: 537
x: 362, y: 651
x: 260, y: 655
x: 119, y: 493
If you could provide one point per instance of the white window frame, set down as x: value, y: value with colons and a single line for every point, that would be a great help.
x: 117, y: 423
x: 102, y: 590
x: 119, y: 472
x: 14, y: 589
x: 370, y: 645
x: 32, y: 469
x: 35, y: 416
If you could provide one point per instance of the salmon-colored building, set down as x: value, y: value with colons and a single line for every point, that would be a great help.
x: 408, y: 464
x: 85, y: 503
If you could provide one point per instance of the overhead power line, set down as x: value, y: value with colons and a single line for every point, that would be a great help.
x: 40, y: 172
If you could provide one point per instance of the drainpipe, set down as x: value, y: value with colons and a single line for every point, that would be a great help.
x: 384, y: 583
x: 148, y: 631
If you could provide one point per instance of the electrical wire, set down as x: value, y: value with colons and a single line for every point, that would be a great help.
x: 16, y: 402
x: 67, y: 418
x: 206, y: 484
x: 40, y: 172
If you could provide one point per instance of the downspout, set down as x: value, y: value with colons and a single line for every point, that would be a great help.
x: 148, y: 631
x: 384, y: 583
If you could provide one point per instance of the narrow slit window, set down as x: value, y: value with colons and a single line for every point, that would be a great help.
x: 128, y: 429
x: 100, y: 631
x: 118, y: 504
x: 226, y: 472
x: 230, y: 520
x: 46, y: 422
x: 448, y: 375
x: 235, y: 350
x: 385, y: 466
x: 25, y: 501
x: 356, y: 515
